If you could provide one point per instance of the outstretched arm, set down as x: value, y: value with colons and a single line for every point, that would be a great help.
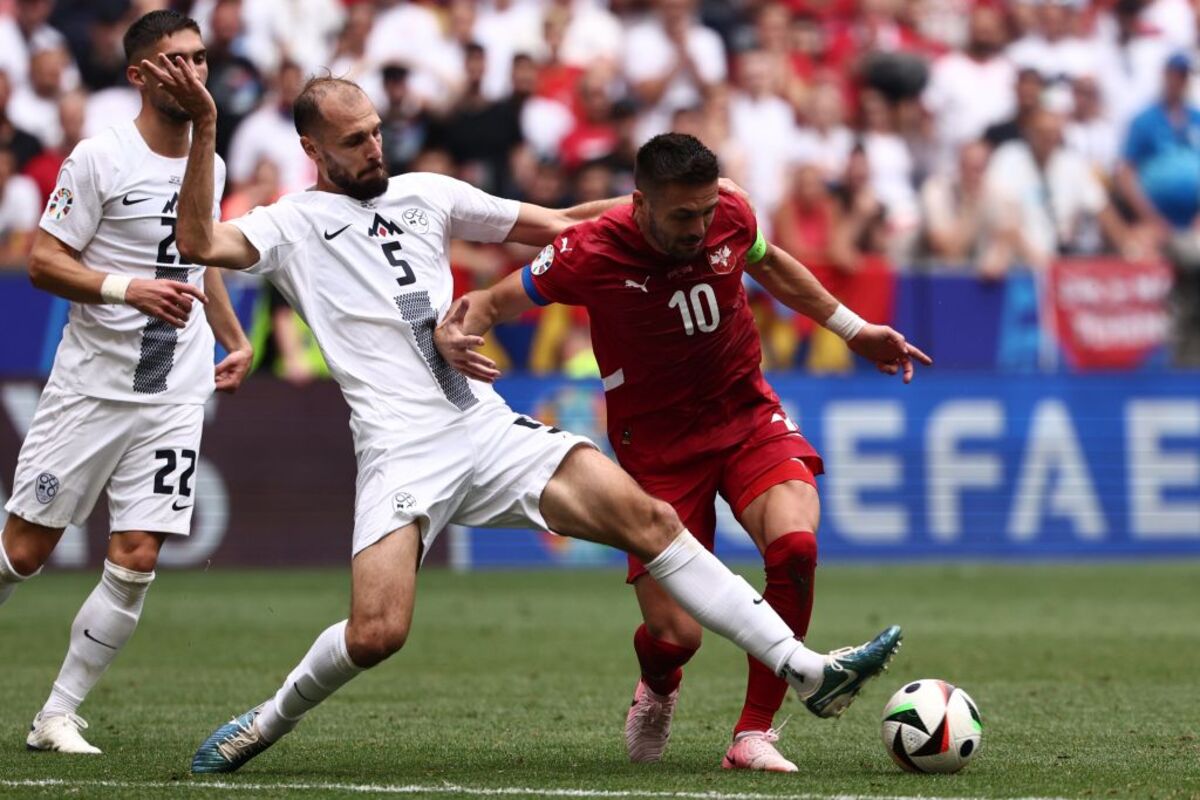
x: 461, y: 332
x: 200, y: 238
x: 792, y: 284
x: 537, y: 225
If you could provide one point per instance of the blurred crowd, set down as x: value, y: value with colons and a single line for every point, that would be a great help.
x: 872, y: 135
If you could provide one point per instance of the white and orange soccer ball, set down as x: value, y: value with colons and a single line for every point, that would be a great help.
x: 931, y: 726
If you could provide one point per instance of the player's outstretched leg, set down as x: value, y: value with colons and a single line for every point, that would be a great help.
x: 382, y: 594
x: 845, y: 672
x: 591, y: 498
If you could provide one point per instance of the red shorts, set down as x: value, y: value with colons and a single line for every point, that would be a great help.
x: 771, y: 452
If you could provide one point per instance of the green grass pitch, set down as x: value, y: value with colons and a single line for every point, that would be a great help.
x: 1087, y: 679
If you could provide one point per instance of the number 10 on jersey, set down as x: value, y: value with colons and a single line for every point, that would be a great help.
x: 698, y: 309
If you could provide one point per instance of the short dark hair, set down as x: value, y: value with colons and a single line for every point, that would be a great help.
x: 306, y: 112
x: 147, y: 29
x: 674, y: 158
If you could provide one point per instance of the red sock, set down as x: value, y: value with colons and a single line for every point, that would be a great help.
x: 791, y: 561
x: 662, y: 662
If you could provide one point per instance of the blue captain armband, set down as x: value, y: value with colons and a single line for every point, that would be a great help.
x: 530, y: 288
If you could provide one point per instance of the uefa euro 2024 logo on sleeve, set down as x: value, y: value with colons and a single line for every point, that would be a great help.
x: 60, y: 203
x: 47, y: 488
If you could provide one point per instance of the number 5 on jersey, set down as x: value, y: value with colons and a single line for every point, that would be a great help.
x: 702, y: 309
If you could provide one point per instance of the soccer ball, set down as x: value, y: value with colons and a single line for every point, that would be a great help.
x: 931, y: 726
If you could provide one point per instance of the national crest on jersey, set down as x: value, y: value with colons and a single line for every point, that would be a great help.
x: 115, y: 203
x: 719, y: 259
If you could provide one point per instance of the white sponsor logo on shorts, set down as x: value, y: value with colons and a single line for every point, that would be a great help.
x: 47, y: 488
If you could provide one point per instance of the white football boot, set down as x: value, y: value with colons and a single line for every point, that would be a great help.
x: 60, y: 733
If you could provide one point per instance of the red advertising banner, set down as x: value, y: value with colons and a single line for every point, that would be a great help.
x: 1108, y: 313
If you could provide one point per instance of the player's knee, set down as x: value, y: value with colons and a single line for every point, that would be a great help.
x: 371, y: 642
x: 136, y: 553
x: 659, y: 524
x: 27, y: 549
x: 679, y: 630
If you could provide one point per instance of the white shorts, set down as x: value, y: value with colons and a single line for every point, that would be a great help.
x: 488, y: 470
x: 77, y: 446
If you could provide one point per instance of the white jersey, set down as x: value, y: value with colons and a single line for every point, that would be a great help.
x: 372, y: 278
x: 115, y: 204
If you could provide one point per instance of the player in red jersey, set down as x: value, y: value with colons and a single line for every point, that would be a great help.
x: 689, y: 412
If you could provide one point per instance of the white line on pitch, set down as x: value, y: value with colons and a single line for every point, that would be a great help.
x: 452, y: 789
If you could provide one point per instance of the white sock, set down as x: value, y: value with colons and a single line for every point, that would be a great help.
x: 9, y: 577
x: 105, y: 622
x: 325, y: 668
x: 724, y: 603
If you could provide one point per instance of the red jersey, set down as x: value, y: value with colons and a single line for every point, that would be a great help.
x: 669, y: 335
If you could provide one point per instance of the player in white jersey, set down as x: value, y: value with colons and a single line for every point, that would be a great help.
x: 123, y: 407
x: 363, y: 260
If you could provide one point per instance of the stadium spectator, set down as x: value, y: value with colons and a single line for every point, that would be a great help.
x: 594, y: 181
x: 1047, y: 201
x: 952, y: 206
x: 670, y: 60
x: 861, y: 225
x: 1159, y: 175
x: 34, y: 107
x: 781, y: 44
x: 972, y: 89
x: 94, y: 30
x: 25, y: 32
x: 825, y: 140
x: 803, y: 224
x: 1090, y: 133
x: 481, y: 134
x: 234, y: 80
x: 349, y: 57
x: 20, y: 208
x: 505, y: 28
x: 1030, y: 86
x: 892, y: 171
x: 23, y: 144
x: 270, y: 133
x: 410, y: 33
x: 1052, y: 47
x: 765, y: 127
x: 594, y: 36
x: 44, y: 167
x: 716, y: 125
x: 1129, y: 62
x: 594, y: 134
x: 406, y: 126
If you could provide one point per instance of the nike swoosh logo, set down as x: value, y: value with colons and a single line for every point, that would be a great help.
x: 88, y: 634
x: 338, y: 232
x: 175, y: 506
x: 759, y: 600
x: 125, y: 201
